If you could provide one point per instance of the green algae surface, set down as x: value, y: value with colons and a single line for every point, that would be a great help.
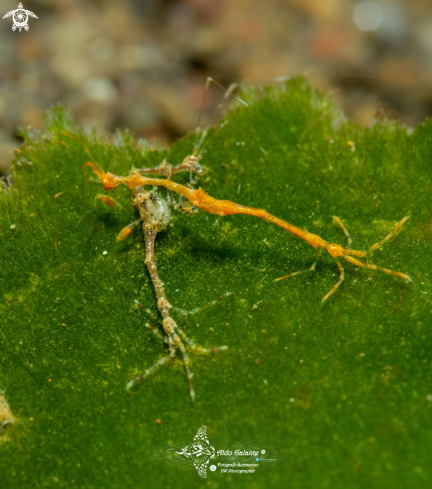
x: 344, y: 390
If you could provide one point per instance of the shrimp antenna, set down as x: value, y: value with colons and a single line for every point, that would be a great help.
x: 86, y: 150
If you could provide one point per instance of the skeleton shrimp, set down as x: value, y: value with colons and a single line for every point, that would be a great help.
x: 194, y: 199
x: 155, y: 215
x: 201, y: 200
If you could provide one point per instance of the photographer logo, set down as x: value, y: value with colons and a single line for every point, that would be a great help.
x: 20, y: 18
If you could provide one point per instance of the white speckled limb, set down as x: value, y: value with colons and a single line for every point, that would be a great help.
x: 155, y: 215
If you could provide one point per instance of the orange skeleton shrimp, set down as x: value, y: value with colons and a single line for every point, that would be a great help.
x: 205, y: 202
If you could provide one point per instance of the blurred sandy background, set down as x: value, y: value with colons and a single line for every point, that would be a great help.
x: 143, y: 64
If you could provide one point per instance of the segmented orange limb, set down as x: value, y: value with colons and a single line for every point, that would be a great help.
x: 347, y: 254
x: 209, y: 204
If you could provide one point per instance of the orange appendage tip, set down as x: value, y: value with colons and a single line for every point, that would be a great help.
x: 96, y: 169
x: 124, y: 233
x: 107, y: 200
x: 89, y: 163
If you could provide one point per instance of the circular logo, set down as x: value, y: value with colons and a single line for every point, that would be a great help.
x: 263, y: 452
x: 20, y: 17
x: 212, y: 468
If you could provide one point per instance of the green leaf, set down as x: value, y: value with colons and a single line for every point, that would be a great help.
x: 343, y: 388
